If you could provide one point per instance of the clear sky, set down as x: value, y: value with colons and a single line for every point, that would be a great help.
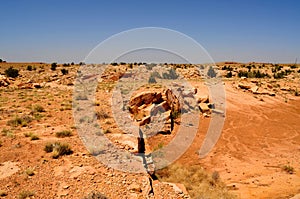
x: 67, y: 30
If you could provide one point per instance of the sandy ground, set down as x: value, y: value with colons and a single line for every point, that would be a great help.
x: 258, y: 139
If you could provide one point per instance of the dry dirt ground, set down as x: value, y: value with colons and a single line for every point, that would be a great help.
x: 257, y: 155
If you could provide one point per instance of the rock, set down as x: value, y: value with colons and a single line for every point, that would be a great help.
x: 3, y: 81
x: 211, y: 105
x: 142, y: 98
x: 204, y: 108
x: 254, y: 89
x: 162, y: 107
x: 272, y: 94
x: 37, y: 85
x: 178, y: 188
x: 203, y: 99
x: 188, y: 93
x: 145, y: 120
x: 286, y: 88
x: 244, y: 86
x: 135, y: 188
x: 172, y: 100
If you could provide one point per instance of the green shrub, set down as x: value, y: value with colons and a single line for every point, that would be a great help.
x: 53, y: 66
x: 229, y: 74
x: 211, y: 72
x: 29, y: 67
x: 64, y: 71
x: 152, y: 80
x: 12, y: 72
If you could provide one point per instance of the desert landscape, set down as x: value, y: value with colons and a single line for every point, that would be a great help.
x: 44, y: 155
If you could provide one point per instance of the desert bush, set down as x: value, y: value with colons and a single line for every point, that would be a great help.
x: 19, y: 121
x: 288, y: 168
x: 211, y: 72
x: 229, y: 74
x: 12, y: 72
x: 62, y: 134
x: 197, y: 181
x: 25, y: 194
x: 29, y: 68
x: 95, y: 195
x: 279, y: 75
x: 37, y: 108
x: 64, y: 71
x: 114, y: 64
x: 170, y: 75
x: 53, y: 66
x: 7, y: 133
x: 32, y: 136
x: 58, y: 149
x: 150, y: 66
x: 152, y: 80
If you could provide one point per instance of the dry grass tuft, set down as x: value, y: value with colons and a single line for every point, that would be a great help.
x: 197, y: 181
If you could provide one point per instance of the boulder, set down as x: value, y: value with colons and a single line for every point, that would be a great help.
x: 3, y: 81
x: 203, y: 99
x: 244, y: 86
x: 204, y: 107
x: 254, y: 89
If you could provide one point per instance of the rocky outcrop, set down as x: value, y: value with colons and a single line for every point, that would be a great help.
x: 151, y: 103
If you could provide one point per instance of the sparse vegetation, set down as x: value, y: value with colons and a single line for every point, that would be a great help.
x: 32, y: 136
x: 58, y: 149
x: 38, y: 108
x: 95, y: 195
x: 12, y: 72
x: 152, y: 80
x: 62, y: 134
x: 288, y: 168
x: 7, y: 133
x: 196, y: 180
x: 26, y: 194
x: 211, y: 72
x: 19, y: 121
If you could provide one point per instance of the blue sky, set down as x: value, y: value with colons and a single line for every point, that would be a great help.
x: 65, y: 30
